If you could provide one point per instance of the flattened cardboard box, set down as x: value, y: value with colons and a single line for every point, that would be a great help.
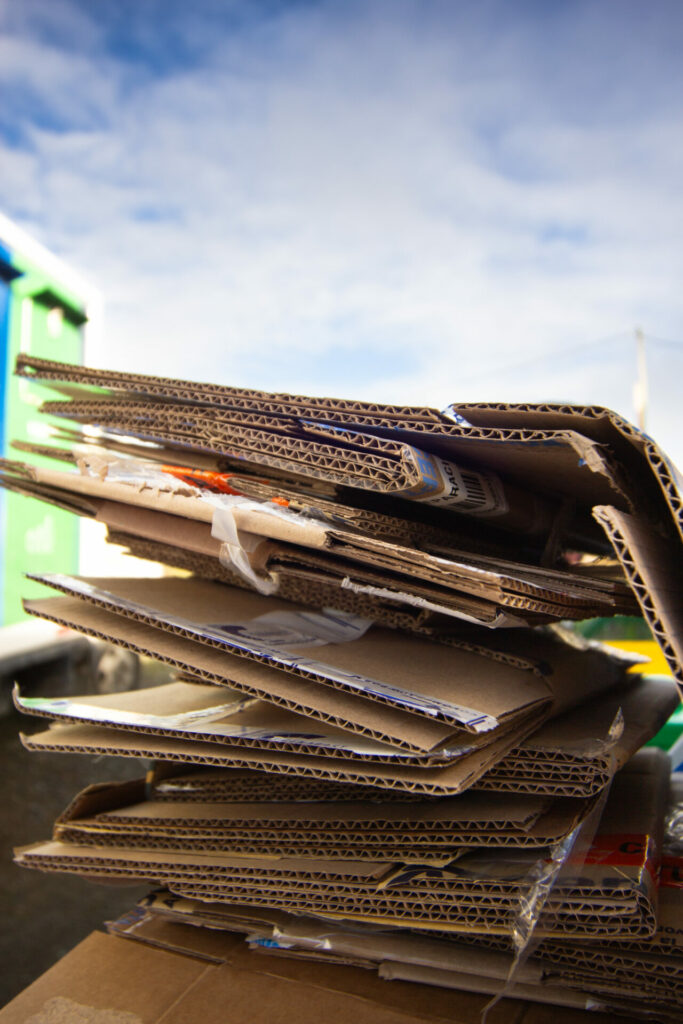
x: 119, y: 814
x: 612, y: 893
x: 385, y: 465
x: 357, y: 714
x: 353, y: 711
x: 641, y: 970
x: 199, y: 713
x: 480, y: 970
x: 556, y: 760
x: 115, y: 981
x: 280, y: 542
x: 425, y: 781
x: 459, y: 899
x: 357, y: 657
x: 593, y: 431
x: 187, y: 543
x: 110, y: 981
x: 164, y: 920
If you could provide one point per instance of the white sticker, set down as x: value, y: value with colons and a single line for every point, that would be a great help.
x: 287, y: 630
x: 449, y: 486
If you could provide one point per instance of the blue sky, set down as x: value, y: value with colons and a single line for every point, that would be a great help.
x: 409, y: 201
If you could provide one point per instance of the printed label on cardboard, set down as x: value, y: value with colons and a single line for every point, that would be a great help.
x: 671, y: 873
x: 448, y: 486
x: 623, y: 851
x: 291, y: 630
x: 286, y: 630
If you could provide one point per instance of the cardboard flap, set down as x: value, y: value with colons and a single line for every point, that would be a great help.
x: 431, y: 781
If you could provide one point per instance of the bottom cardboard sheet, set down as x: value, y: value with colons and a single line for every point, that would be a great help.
x: 105, y: 980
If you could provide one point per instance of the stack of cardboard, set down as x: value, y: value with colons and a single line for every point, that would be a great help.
x: 636, y: 971
x: 374, y: 720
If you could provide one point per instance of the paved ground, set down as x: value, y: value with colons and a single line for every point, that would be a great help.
x: 44, y: 916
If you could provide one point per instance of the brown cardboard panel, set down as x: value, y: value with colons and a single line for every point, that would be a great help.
x: 614, y: 891
x: 644, y: 466
x: 389, y: 458
x: 455, y: 567
x: 377, y: 655
x: 113, y: 981
x: 518, y: 428
x: 641, y: 457
x: 479, y: 917
x: 369, y: 461
x: 325, y: 703
x: 150, y: 524
x: 455, y: 778
x: 455, y: 912
x: 173, y: 503
x: 298, y: 586
x: 498, y: 578
x: 667, y: 488
x: 188, y: 543
x: 213, y: 395
x: 211, y: 665
x: 393, y: 953
x: 177, y: 782
x: 116, y: 815
x: 653, y: 567
x: 576, y: 766
x: 209, y: 714
x: 494, y: 688
x: 253, y: 845
x: 21, y: 483
x: 297, y: 495
x: 427, y: 427
x: 208, y: 944
x: 638, y: 966
x: 160, y: 918
x: 558, y: 758
x: 463, y: 981
x: 561, y: 751
x: 122, y: 803
x: 290, y: 560
x: 107, y: 976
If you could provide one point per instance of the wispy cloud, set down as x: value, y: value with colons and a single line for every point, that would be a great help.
x: 393, y: 199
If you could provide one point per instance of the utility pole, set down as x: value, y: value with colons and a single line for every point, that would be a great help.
x: 640, y: 384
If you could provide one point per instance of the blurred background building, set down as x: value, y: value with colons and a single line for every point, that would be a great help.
x: 47, y: 310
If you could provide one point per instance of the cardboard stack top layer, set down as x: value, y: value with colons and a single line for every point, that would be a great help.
x: 376, y: 716
x: 548, y: 476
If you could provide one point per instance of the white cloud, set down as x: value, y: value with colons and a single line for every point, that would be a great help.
x: 429, y: 198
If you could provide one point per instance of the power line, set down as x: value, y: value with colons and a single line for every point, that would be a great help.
x: 570, y: 351
x: 545, y: 356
